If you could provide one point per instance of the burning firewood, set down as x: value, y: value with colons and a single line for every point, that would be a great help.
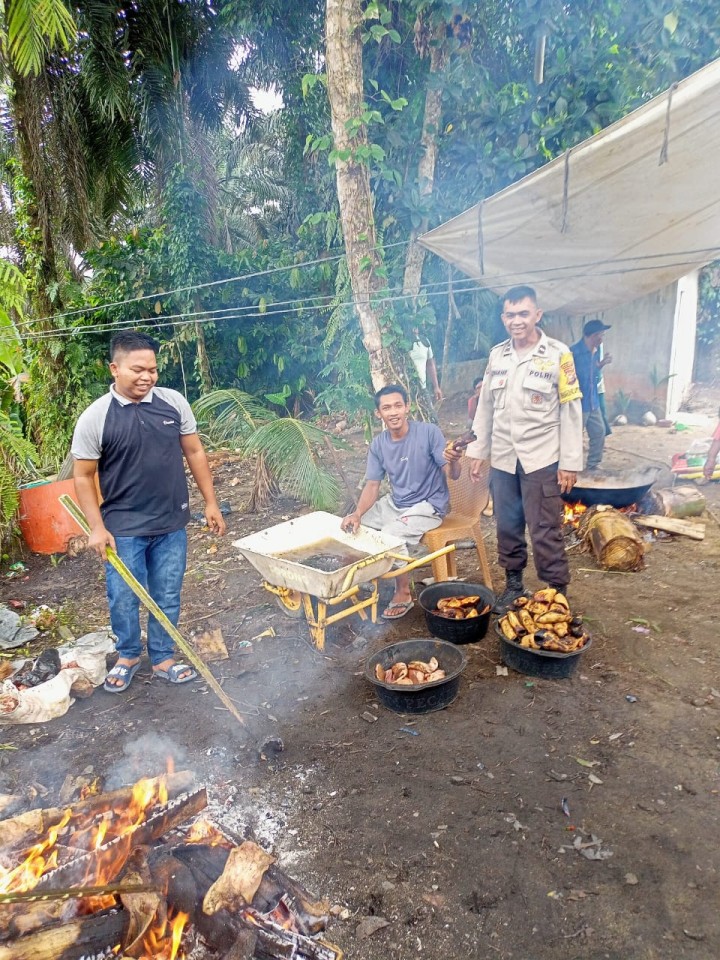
x: 26, y: 828
x: 233, y: 895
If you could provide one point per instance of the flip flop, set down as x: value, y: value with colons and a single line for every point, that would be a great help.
x: 123, y: 673
x: 404, y: 607
x: 173, y: 674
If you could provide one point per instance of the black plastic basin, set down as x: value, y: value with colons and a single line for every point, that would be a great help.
x: 457, y: 631
x: 550, y: 664
x: 422, y: 697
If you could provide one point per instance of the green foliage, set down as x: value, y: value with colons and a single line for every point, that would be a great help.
x: 152, y: 164
x: 709, y: 305
x: 15, y: 454
x: 288, y: 446
x: 33, y: 27
x: 229, y: 417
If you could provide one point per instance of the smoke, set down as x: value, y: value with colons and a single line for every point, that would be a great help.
x: 146, y: 756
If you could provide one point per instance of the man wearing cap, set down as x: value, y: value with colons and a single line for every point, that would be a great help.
x: 528, y: 423
x: 588, y: 367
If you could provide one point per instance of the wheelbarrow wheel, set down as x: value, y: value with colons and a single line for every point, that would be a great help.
x: 291, y: 604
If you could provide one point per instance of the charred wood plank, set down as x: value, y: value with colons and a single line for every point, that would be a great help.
x: 26, y: 828
x: 109, y: 860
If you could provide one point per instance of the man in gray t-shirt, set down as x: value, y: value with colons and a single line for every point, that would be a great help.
x: 414, y: 457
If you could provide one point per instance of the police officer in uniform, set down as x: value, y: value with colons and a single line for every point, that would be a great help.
x: 529, y: 424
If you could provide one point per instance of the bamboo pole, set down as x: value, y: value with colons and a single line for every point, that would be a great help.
x: 137, y: 588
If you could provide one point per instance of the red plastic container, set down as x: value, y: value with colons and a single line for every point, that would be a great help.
x: 45, y: 524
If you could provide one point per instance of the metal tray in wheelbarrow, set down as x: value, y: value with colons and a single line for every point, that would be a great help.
x: 278, y: 554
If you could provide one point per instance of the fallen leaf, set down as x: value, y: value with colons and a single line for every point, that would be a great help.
x: 435, y: 900
x: 586, y: 763
x: 370, y: 925
x: 576, y: 895
x: 593, y: 779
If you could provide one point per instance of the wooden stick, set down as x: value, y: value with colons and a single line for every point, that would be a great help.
x: 79, y: 517
x: 684, y: 528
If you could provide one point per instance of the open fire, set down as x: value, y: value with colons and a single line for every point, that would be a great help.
x: 103, y: 878
x: 572, y: 513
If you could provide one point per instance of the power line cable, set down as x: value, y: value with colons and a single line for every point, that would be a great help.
x: 251, y: 312
x: 329, y: 259
x: 201, y: 286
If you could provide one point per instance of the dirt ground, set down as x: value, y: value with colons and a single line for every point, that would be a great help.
x: 449, y: 826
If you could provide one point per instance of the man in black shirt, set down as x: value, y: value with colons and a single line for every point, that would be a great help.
x: 134, y: 439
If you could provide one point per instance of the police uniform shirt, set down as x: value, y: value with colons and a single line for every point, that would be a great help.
x: 529, y: 409
x: 140, y: 461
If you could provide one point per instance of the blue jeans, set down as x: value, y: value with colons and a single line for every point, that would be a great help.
x: 159, y: 564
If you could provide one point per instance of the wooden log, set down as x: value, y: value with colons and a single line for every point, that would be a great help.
x: 613, y: 539
x: 683, y: 528
x: 86, y: 936
x: 682, y: 502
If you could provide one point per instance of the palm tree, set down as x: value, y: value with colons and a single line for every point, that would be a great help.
x: 286, y: 448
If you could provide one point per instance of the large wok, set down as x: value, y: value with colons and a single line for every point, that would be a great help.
x: 617, y: 490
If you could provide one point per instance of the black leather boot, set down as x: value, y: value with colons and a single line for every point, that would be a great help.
x: 513, y: 589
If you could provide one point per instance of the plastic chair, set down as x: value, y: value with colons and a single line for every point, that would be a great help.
x: 467, y: 501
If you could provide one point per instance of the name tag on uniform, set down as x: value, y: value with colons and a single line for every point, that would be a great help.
x: 498, y: 379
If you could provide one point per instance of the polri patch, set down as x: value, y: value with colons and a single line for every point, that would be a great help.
x: 568, y: 386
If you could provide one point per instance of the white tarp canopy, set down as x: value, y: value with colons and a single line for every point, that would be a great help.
x: 619, y: 216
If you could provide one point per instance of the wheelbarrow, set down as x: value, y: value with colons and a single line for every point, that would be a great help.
x: 311, y: 566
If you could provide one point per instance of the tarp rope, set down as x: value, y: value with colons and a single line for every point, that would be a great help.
x: 666, y: 135
x: 481, y: 244
x: 566, y: 188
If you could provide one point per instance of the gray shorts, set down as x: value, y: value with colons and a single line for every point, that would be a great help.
x: 409, y: 524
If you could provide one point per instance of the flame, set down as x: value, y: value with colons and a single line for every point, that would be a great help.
x: 572, y: 513
x: 282, y: 917
x: 88, y: 831
x: 164, y: 941
x: 108, y: 835
x: 39, y: 859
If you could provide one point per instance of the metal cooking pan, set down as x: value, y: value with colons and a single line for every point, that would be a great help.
x: 615, y: 491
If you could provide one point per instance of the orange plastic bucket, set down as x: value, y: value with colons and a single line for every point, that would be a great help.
x: 45, y: 524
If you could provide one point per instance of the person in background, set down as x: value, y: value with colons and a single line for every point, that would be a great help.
x: 423, y: 360
x: 529, y: 424
x: 415, y: 459
x: 473, y: 400
x: 588, y: 368
x: 136, y: 440
x: 601, y: 388
x: 709, y: 468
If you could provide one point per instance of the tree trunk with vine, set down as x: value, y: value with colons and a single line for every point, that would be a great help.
x: 432, y: 120
x: 49, y: 410
x: 343, y: 53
